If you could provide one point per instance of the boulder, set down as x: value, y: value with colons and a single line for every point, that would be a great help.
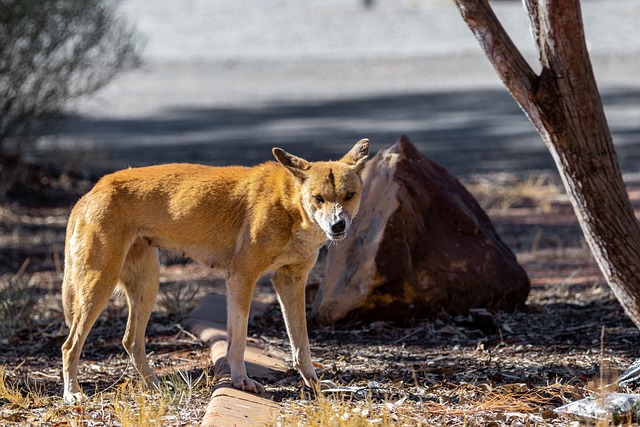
x: 420, y: 244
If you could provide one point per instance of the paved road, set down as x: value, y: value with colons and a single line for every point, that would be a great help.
x: 225, y: 81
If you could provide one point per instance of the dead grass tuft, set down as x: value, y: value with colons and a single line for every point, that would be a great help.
x: 136, y: 406
x: 540, y: 192
x: 10, y: 392
x: 16, y: 303
x: 177, y: 402
x: 178, y: 301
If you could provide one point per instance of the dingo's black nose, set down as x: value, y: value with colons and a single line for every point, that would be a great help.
x: 338, y: 226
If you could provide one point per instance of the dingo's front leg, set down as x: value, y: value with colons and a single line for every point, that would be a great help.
x: 239, y: 294
x: 289, y: 283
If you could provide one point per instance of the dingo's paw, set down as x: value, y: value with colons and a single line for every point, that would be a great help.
x: 73, y: 398
x: 247, y: 384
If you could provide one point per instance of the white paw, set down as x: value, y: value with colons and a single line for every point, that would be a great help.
x: 73, y: 398
x: 247, y: 384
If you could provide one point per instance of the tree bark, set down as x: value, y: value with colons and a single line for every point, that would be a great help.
x: 563, y: 104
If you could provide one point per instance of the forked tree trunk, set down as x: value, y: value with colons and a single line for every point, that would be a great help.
x: 564, y: 105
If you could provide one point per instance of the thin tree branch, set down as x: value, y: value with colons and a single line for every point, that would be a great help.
x: 538, y: 27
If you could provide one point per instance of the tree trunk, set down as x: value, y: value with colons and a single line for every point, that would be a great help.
x: 564, y: 105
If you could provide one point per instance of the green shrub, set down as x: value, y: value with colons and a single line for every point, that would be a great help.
x: 52, y: 51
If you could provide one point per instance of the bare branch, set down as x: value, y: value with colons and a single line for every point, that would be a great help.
x: 538, y: 27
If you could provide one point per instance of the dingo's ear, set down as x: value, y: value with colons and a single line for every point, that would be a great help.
x: 296, y: 165
x: 357, y: 156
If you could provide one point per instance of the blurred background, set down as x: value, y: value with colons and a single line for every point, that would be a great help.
x: 221, y: 82
x: 91, y: 86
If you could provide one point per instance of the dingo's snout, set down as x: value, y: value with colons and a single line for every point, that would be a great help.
x: 338, y: 230
x: 339, y: 227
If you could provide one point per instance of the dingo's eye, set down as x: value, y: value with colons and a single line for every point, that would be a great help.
x: 319, y: 198
x: 349, y: 196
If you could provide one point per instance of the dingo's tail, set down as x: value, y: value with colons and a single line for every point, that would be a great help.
x: 68, y: 289
x: 68, y: 301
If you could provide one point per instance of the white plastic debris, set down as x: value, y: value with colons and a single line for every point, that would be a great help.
x: 631, y: 375
x: 614, y: 408
x: 373, y: 388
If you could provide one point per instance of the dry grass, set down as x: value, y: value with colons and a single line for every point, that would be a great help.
x: 540, y: 191
x: 135, y: 406
x: 176, y: 402
x: 178, y: 301
x: 451, y: 405
x: 11, y: 393
x: 16, y: 303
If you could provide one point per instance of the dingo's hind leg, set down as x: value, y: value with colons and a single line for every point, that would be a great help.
x: 89, y: 288
x: 139, y: 280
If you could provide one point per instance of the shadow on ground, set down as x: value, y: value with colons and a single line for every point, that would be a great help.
x: 466, y: 131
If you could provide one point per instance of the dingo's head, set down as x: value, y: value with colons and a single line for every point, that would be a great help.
x: 330, y: 191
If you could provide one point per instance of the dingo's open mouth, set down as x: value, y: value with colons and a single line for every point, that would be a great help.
x: 337, y: 236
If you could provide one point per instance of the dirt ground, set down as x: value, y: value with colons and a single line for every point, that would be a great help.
x: 546, y: 355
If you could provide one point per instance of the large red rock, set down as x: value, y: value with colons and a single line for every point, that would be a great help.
x: 420, y: 244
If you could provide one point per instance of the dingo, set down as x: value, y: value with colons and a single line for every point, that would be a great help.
x: 271, y: 217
